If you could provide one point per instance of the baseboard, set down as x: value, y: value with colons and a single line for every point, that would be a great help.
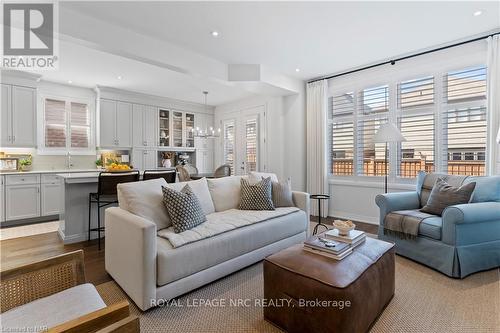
x: 76, y: 238
x: 355, y: 217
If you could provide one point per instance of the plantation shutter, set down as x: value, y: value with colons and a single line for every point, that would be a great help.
x: 371, y: 155
x: 342, y: 108
x: 229, y: 144
x: 55, y: 123
x: 80, y: 125
x: 251, y: 144
x: 464, y: 122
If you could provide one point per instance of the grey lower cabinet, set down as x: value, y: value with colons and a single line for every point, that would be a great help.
x: 22, y: 201
x: 30, y: 196
x: 2, y: 199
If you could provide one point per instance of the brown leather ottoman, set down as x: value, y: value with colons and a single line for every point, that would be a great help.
x: 307, y: 292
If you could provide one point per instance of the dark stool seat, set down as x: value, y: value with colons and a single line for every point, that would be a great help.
x: 106, y: 195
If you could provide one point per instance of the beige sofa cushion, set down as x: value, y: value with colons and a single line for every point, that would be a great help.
x: 200, y: 189
x: 255, y: 177
x: 145, y: 198
x: 220, y: 222
x: 225, y: 192
x: 174, y: 264
x: 53, y: 310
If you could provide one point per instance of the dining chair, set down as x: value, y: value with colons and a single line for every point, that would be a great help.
x: 223, y: 171
x: 183, y: 173
x: 168, y: 175
x: 107, y: 194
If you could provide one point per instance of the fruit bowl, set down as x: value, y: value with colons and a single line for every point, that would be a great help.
x: 344, y: 227
x: 115, y: 167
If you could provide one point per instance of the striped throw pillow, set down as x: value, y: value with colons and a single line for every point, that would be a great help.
x: 282, y: 194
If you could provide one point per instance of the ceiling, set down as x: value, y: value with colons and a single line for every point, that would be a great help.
x: 316, y: 37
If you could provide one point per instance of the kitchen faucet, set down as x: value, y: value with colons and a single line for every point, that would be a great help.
x: 68, y: 160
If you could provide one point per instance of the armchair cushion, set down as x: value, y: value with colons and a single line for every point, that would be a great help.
x: 487, y: 188
x: 55, y: 309
x: 429, y: 226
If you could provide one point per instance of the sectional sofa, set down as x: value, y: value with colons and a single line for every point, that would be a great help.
x: 152, y: 264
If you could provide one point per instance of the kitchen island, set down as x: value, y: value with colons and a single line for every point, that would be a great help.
x: 74, y: 216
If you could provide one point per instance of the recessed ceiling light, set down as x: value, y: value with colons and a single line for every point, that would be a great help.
x: 119, y: 77
x: 70, y: 82
x: 215, y: 33
x: 477, y: 13
x: 297, y: 69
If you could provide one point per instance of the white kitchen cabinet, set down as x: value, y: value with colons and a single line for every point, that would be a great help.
x: 2, y: 199
x: 144, y: 159
x: 205, y: 160
x: 18, y: 116
x: 51, y: 199
x: 144, y: 125
x: 22, y: 201
x: 51, y: 196
x: 6, y: 114
x: 115, y: 124
x: 124, y: 124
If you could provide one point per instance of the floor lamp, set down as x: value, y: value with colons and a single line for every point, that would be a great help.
x: 387, y: 133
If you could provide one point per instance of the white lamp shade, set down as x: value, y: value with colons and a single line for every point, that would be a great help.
x: 388, y: 133
x: 498, y: 136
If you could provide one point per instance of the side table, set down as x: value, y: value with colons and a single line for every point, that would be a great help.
x: 319, y: 197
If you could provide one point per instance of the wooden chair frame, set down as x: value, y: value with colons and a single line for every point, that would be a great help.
x: 24, y: 284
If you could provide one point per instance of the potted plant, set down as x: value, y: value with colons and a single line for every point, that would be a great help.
x: 99, y: 164
x: 25, y: 164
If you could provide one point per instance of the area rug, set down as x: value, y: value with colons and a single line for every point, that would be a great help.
x: 425, y: 301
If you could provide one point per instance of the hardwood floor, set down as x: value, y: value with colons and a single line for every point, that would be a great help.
x: 24, y: 250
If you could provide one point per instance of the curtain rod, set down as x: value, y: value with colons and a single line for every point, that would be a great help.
x: 393, y: 61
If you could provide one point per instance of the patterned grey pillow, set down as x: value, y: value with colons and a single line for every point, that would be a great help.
x: 444, y: 195
x: 282, y: 194
x: 183, y: 208
x: 256, y: 196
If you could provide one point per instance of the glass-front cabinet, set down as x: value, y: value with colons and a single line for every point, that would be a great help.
x: 189, y: 130
x: 176, y: 129
x: 164, y: 128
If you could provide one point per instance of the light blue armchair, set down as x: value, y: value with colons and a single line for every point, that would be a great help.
x: 464, y: 240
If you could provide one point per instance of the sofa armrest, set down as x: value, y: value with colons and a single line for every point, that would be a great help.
x: 391, y: 202
x: 130, y: 255
x: 471, y: 223
x: 301, y: 200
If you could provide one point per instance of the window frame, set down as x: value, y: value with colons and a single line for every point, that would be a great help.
x: 44, y: 150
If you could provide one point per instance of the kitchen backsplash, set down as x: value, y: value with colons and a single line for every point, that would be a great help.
x: 55, y: 162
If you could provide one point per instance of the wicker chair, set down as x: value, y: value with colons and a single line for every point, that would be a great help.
x: 25, y: 284
x: 182, y: 173
x: 223, y: 171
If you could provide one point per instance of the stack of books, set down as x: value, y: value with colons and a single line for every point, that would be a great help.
x: 333, y: 245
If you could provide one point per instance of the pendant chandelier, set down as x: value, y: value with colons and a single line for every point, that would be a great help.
x: 209, y: 132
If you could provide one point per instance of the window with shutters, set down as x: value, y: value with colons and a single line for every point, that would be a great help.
x: 441, y: 114
x: 464, y: 132
x: 342, y: 108
x: 229, y: 143
x: 67, y: 127
x: 415, y: 115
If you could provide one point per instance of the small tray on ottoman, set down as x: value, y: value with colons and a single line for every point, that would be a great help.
x: 314, y: 293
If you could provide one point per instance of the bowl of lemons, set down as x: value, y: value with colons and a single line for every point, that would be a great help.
x: 118, y: 167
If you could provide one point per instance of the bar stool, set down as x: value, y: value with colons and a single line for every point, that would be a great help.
x: 106, y: 195
x: 168, y: 175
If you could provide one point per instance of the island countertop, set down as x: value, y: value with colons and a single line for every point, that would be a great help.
x: 86, y: 177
